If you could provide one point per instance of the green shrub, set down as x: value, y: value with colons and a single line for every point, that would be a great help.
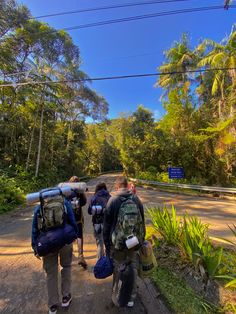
x: 146, y: 175
x: 228, y: 271
x: 152, y: 175
x: 191, y: 236
x: 163, y: 177
x: 152, y: 169
x: 197, y: 248
x: 166, y: 223
x: 212, y: 259
x: 15, y: 183
x: 10, y: 193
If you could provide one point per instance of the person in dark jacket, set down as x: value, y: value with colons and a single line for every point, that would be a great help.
x: 50, y: 263
x: 96, y: 209
x: 77, y: 201
x: 110, y: 221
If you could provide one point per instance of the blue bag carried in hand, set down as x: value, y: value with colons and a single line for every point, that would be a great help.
x: 103, y: 267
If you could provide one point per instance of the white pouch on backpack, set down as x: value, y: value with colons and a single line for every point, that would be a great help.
x: 97, y: 209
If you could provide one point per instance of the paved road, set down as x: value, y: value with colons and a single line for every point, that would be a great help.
x: 23, y: 280
x: 218, y: 213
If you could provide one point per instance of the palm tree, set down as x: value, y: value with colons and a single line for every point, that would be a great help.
x: 220, y: 57
x: 179, y: 58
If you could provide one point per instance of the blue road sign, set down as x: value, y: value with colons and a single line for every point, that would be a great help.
x: 176, y: 172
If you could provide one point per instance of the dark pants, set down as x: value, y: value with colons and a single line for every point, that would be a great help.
x: 121, y: 258
x: 80, y: 226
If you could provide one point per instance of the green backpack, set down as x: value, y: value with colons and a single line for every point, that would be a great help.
x: 129, y: 223
x: 52, y: 212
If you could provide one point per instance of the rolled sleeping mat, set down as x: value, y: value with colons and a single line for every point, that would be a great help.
x: 81, y: 187
x: 35, y: 197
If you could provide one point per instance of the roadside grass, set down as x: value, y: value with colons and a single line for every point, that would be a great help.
x: 190, y: 267
x: 227, y: 273
x: 228, y: 263
x: 180, y: 298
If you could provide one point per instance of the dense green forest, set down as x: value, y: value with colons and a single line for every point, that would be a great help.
x: 43, y: 134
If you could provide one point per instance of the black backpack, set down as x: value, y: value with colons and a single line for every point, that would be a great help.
x: 98, y: 214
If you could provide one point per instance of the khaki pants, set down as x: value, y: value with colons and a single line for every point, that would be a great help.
x: 50, y: 265
x: 121, y: 258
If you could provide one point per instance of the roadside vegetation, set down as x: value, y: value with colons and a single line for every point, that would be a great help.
x: 192, y: 273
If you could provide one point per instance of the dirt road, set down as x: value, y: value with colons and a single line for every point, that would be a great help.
x: 23, y: 288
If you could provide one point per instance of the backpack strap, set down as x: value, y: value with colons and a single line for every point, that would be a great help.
x: 42, y: 208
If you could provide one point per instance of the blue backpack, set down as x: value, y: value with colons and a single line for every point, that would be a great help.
x: 55, y: 232
x: 103, y: 268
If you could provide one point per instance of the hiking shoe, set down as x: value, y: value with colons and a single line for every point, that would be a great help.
x: 82, y: 262
x: 66, y: 301
x: 130, y: 304
x: 53, y: 309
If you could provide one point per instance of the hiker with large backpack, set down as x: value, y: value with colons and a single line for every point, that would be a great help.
x: 53, y: 231
x: 124, y: 233
x: 96, y: 209
x: 78, y: 199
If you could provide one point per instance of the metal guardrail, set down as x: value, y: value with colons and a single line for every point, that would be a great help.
x: 189, y: 186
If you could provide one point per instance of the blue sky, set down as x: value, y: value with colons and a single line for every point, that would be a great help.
x: 132, y: 47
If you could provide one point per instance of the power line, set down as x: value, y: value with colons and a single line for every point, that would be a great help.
x: 9, y: 74
x: 132, y: 18
x: 141, y: 17
x: 118, y: 6
x: 106, y: 78
x: 135, y: 18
